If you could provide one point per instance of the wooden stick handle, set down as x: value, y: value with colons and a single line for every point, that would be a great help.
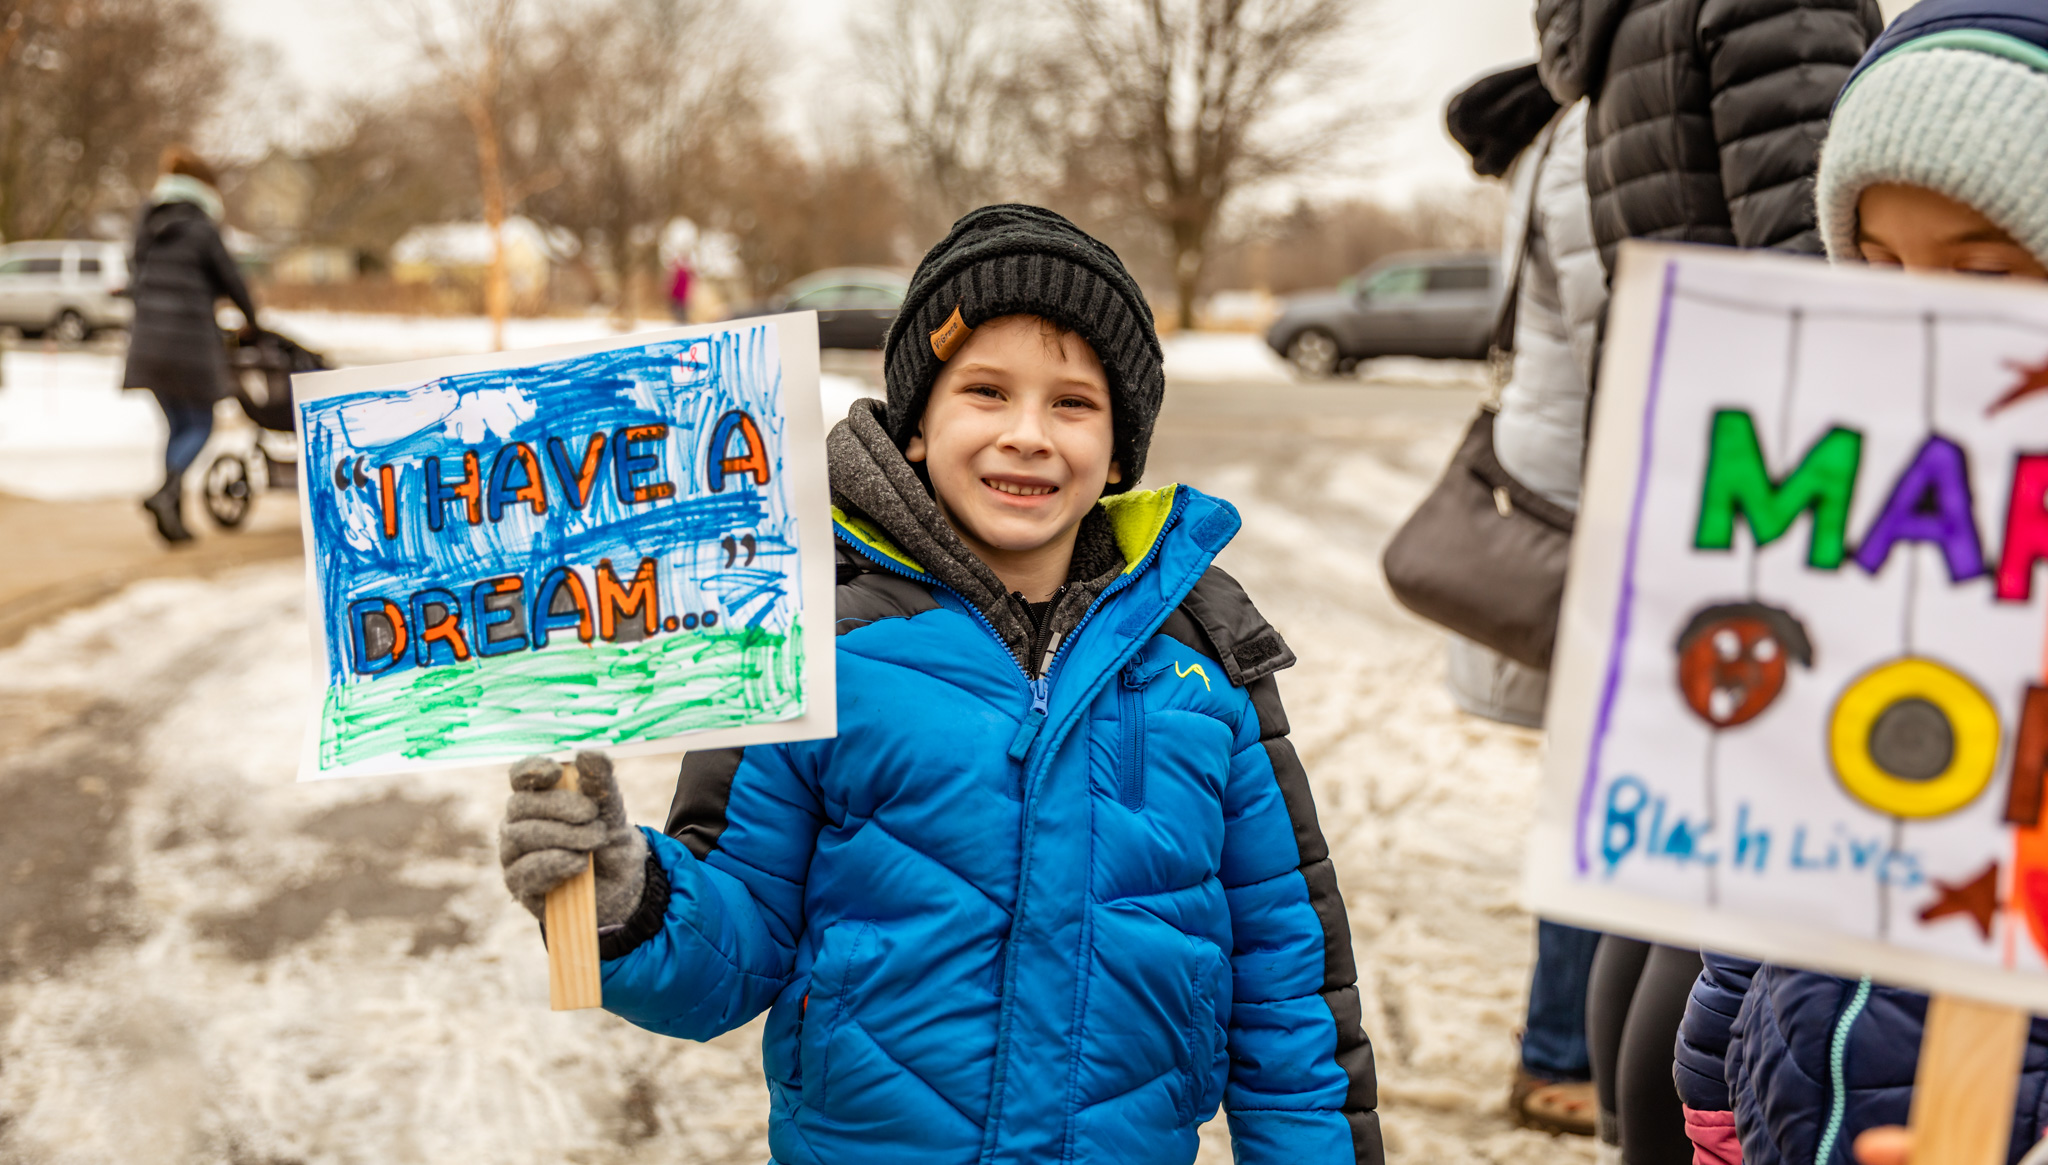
x: 572, y: 935
x: 1969, y: 1073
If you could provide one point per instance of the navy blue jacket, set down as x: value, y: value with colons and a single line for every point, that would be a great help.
x: 1798, y: 1053
x: 998, y: 920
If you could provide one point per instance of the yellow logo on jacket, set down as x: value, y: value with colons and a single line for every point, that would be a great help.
x: 1193, y: 669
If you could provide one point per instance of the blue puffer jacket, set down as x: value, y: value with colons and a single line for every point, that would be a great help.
x: 998, y: 920
x: 1807, y: 1061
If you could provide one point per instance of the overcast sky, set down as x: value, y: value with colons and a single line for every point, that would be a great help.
x: 1411, y: 54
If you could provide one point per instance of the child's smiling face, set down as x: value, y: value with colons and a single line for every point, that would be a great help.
x: 1920, y: 230
x: 1018, y: 443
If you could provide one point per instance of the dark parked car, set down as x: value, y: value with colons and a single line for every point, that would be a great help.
x: 1424, y: 303
x: 855, y: 305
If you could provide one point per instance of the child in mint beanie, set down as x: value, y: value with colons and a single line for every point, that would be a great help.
x: 1951, y: 102
x: 1936, y: 160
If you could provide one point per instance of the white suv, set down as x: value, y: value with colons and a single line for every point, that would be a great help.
x: 67, y: 289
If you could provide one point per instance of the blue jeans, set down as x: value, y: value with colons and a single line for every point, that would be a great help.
x: 1554, y: 1036
x: 191, y: 424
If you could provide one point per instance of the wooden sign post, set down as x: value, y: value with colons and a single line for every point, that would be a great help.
x: 1969, y: 1073
x: 572, y: 935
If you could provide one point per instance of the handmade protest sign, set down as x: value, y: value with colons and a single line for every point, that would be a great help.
x: 621, y: 544
x: 1799, y: 710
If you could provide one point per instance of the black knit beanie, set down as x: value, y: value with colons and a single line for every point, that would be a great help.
x: 1025, y: 260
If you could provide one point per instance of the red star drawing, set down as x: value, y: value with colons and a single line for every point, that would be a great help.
x: 2033, y: 379
x: 1977, y: 898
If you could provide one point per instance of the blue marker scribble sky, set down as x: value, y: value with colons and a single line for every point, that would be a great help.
x: 684, y: 387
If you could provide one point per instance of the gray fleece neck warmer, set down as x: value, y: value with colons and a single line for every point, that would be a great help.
x: 869, y: 476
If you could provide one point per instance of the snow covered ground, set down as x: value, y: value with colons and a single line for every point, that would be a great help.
x: 201, y: 961
x: 68, y: 431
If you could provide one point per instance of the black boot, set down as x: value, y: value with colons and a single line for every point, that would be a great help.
x: 164, y: 505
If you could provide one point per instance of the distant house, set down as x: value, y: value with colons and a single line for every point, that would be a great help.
x: 315, y: 264
x: 274, y: 197
x: 273, y: 201
x: 459, y: 254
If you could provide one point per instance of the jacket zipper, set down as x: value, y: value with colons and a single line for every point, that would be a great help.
x: 1838, y: 1056
x: 1040, y: 687
x: 1131, y: 715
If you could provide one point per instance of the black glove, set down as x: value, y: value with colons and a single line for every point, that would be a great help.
x: 549, y: 833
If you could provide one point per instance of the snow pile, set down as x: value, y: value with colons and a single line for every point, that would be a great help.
x: 366, y: 338
x: 67, y: 431
x: 470, y: 244
x: 1244, y: 358
x: 1209, y: 357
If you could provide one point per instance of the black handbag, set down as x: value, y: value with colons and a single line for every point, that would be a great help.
x: 1485, y: 555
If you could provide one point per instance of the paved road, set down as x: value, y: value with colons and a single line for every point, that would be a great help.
x: 200, y: 961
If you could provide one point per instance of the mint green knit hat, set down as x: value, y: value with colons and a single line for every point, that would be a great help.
x: 1959, y: 110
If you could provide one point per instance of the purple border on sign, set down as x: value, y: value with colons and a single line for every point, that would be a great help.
x: 1612, y: 687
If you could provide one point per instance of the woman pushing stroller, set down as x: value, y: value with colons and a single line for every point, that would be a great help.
x: 181, y: 269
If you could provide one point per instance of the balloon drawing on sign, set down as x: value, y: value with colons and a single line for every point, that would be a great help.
x: 1732, y: 660
x: 1913, y: 738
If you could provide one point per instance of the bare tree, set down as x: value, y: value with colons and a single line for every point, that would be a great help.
x: 469, y: 45
x: 792, y: 214
x: 1202, y: 98
x: 1320, y: 245
x: 633, y: 112
x: 379, y: 167
x: 90, y: 91
x: 963, y: 86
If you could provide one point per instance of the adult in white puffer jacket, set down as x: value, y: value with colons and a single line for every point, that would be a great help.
x: 1540, y: 434
x: 1514, y: 128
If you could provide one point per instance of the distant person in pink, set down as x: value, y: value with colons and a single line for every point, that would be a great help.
x: 679, y: 294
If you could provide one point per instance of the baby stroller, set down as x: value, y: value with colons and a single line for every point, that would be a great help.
x: 261, y: 368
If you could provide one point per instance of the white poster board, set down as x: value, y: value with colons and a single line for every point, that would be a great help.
x: 623, y: 544
x: 1797, y: 711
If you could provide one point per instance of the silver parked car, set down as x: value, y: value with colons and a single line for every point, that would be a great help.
x: 1423, y: 303
x: 67, y: 289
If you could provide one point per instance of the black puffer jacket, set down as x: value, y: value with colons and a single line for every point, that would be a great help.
x: 181, y: 269
x: 1707, y: 114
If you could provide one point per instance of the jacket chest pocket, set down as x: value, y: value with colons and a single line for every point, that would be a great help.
x: 843, y: 955
x: 1168, y: 748
x: 1130, y: 716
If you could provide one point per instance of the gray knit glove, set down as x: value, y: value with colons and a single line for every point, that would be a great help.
x: 547, y: 832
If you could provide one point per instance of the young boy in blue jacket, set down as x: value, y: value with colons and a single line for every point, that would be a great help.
x: 1936, y: 160
x: 1057, y: 888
